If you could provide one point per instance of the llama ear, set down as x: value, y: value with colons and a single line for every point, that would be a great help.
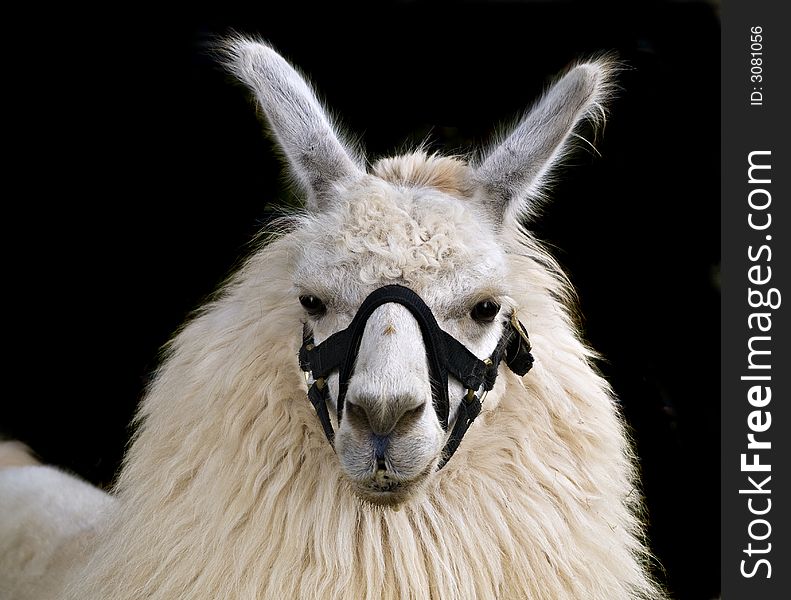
x: 318, y: 158
x: 510, y: 177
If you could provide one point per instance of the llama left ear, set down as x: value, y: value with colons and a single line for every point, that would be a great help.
x: 319, y: 160
x: 510, y: 177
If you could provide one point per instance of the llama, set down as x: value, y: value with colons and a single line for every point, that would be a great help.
x: 236, y: 486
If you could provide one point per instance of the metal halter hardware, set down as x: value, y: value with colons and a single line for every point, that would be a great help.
x: 444, y: 353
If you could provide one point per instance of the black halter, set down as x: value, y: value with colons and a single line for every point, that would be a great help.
x: 445, y: 354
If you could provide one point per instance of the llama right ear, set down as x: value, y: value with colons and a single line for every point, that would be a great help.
x: 318, y: 158
x: 510, y: 177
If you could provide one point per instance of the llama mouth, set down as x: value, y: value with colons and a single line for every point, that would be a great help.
x: 382, y: 488
x: 389, y: 494
x: 383, y: 482
x: 384, y: 485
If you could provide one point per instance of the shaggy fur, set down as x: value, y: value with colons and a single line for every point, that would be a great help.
x: 230, y: 489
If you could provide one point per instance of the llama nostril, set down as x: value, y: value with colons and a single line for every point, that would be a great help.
x: 356, y: 414
x: 381, y: 416
x: 411, y: 414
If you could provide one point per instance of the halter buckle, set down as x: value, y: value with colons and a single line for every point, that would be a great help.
x: 518, y: 327
x: 319, y: 383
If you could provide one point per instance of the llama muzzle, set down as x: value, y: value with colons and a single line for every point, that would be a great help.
x: 444, y: 353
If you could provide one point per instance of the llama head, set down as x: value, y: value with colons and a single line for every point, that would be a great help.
x: 438, y: 225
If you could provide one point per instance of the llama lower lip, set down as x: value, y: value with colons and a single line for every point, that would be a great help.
x: 382, y: 481
x: 382, y: 489
x: 392, y: 493
x: 384, y: 486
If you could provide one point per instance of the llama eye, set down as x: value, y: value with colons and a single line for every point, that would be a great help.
x: 485, y: 312
x: 313, y: 305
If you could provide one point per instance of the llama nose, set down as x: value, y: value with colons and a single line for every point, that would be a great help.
x: 381, y: 416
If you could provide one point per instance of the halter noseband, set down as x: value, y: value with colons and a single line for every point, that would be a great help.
x: 444, y: 353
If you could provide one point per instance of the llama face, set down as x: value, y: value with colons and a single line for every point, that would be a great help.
x: 437, y: 225
x: 379, y: 233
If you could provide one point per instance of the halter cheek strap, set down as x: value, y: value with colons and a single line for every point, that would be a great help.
x: 444, y: 355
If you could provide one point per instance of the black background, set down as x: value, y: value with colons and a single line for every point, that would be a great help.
x: 143, y: 174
